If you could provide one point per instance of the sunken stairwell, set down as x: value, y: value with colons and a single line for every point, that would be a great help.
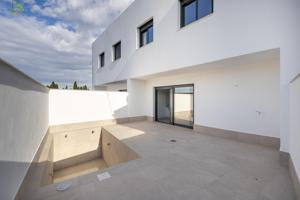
x: 80, y: 152
x: 68, y: 154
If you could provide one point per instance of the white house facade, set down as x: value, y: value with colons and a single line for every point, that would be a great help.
x: 205, y: 63
x: 225, y: 68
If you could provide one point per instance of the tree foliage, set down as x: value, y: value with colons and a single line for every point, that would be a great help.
x: 53, y: 85
x: 76, y: 87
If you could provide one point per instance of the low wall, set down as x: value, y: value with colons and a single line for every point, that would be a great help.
x: 72, y: 106
x: 23, y: 122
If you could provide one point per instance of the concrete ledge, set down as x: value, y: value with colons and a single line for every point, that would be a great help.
x: 84, y: 125
x: 295, y: 178
x: 239, y: 136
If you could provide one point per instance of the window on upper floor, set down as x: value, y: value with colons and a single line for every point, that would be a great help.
x: 101, y: 60
x: 192, y: 10
x: 117, y: 51
x: 146, y: 33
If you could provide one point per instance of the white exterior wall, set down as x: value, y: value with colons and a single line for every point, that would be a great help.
x: 237, y: 27
x: 72, y: 106
x: 23, y: 124
x: 136, y: 98
x: 229, y: 97
x: 295, y: 123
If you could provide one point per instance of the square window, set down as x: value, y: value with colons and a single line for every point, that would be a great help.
x: 117, y: 51
x: 146, y: 33
x: 192, y: 10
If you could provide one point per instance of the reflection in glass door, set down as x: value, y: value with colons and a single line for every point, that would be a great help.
x: 164, y: 105
x: 175, y: 105
x: 184, y: 106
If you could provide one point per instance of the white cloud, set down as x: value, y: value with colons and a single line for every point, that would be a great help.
x: 46, y: 52
x: 87, y: 11
x: 57, y: 52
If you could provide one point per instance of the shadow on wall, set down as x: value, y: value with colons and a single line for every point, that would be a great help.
x: 118, y: 113
x: 23, y: 123
x: 8, y: 169
x: 13, y: 77
x: 123, y: 115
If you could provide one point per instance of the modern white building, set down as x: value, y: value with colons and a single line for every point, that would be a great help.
x: 222, y: 68
x: 205, y: 63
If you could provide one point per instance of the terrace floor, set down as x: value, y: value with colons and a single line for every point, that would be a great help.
x: 196, y: 166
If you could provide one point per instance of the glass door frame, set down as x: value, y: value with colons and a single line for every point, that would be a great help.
x: 172, y: 88
x: 171, y: 103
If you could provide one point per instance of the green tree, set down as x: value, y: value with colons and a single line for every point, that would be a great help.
x: 78, y: 87
x: 85, y: 87
x: 75, y: 87
x: 53, y: 85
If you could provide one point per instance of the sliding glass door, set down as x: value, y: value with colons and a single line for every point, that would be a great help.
x: 184, y: 106
x: 164, y: 105
x: 175, y: 105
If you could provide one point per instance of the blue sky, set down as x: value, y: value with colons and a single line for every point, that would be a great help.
x: 51, y: 40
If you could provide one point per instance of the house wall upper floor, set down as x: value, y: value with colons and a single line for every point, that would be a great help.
x: 236, y: 27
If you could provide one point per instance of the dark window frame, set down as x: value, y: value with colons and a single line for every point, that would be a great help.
x: 173, y: 87
x: 117, y: 56
x: 102, y: 60
x: 184, y: 3
x: 144, y: 29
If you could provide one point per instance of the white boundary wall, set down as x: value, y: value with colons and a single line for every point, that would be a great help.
x: 72, y: 106
x: 23, y: 124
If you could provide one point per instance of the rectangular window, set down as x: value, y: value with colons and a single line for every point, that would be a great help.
x: 117, y: 51
x: 102, y: 59
x: 192, y: 10
x: 189, y: 12
x: 205, y: 7
x: 146, y: 33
